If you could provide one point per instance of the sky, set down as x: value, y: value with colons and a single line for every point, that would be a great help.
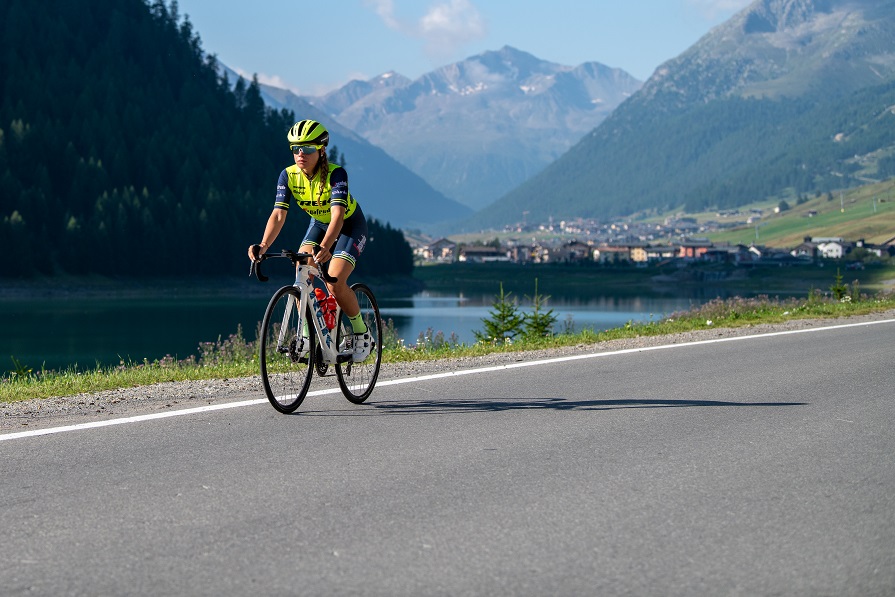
x: 314, y: 47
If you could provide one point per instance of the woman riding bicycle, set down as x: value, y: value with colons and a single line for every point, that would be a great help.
x: 338, y: 230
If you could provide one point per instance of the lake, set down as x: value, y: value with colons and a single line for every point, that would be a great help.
x: 462, y: 314
x: 56, y: 333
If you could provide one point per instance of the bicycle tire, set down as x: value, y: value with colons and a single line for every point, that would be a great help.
x: 357, y: 380
x: 285, y: 373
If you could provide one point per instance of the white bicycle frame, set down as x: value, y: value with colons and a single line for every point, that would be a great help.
x: 304, y: 279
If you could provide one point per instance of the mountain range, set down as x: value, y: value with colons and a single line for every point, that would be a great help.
x: 786, y: 97
x: 477, y: 128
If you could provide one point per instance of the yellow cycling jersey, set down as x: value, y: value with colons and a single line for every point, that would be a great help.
x: 308, y: 196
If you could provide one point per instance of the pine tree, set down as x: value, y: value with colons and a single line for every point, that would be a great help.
x: 539, y: 323
x: 505, y: 321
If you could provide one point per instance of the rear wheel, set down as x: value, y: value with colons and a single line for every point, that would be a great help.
x: 287, y: 361
x: 357, y: 379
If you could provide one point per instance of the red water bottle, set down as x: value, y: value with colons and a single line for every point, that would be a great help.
x: 327, y: 306
x: 329, y: 316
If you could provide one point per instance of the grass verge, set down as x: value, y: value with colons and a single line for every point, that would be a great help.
x: 236, y: 357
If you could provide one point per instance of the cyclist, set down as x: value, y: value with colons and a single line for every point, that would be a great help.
x: 338, y: 230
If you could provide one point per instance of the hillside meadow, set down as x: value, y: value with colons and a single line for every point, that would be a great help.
x: 867, y: 212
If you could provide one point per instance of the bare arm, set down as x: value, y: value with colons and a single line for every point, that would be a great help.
x: 274, y: 224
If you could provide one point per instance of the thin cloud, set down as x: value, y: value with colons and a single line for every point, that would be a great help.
x: 277, y: 81
x: 444, y: 29
x: 385, y: 9
x: 457, y: 21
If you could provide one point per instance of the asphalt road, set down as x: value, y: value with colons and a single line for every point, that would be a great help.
x: 757, y: 466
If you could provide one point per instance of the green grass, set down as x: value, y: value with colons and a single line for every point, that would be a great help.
x: 236, y: 357
x: 867, y: 212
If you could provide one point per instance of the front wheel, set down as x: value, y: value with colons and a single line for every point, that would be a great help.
x: 287, y: 355
x: 357, y: 379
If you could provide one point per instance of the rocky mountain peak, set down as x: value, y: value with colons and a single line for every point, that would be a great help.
x: 776, y: 48
x: 770, y: 16
x: 518, y: 111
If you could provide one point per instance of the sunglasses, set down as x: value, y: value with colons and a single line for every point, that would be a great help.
x: 305, y: 149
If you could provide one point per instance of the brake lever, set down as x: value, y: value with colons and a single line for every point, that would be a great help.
x: 255, y: 268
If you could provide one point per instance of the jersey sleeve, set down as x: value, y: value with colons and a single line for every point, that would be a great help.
x: 284, y: 196
x: 338, y: 181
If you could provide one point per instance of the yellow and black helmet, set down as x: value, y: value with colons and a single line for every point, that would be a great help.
x: 308, y: 132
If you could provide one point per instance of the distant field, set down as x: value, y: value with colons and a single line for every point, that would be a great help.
x: 869, y: 214
x: 864, y: 213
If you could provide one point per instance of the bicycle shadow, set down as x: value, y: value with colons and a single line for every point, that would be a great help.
x: 461, y: 406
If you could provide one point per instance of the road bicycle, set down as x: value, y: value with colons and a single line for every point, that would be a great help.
x: 296, y: 340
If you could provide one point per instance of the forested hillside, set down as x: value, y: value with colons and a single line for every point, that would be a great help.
x: 123, y: 151
x: 789, y: 97
x: 723, y: 154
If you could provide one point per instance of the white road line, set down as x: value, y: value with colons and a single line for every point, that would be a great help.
x: 394, y: 382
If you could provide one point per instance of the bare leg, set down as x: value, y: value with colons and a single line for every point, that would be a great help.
x: 341, y: 269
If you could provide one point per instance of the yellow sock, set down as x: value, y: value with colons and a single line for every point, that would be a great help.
x: 357, y: 324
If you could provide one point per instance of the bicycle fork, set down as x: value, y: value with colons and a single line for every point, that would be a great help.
x: 287, y: 343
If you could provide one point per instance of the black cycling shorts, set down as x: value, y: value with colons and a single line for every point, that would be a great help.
x: 352, y: 239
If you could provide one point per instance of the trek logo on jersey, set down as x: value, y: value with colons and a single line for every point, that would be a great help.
x: 304, y: 204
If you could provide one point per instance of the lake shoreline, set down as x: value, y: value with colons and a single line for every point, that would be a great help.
x: 87, y: 287
x: 554, y: 279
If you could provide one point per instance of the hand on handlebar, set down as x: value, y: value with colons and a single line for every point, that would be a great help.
x: 256, y: 251
x: 322, y: 255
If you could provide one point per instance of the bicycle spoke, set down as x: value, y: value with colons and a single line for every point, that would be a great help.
x: 358, y: 379
x: 286, y: 364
